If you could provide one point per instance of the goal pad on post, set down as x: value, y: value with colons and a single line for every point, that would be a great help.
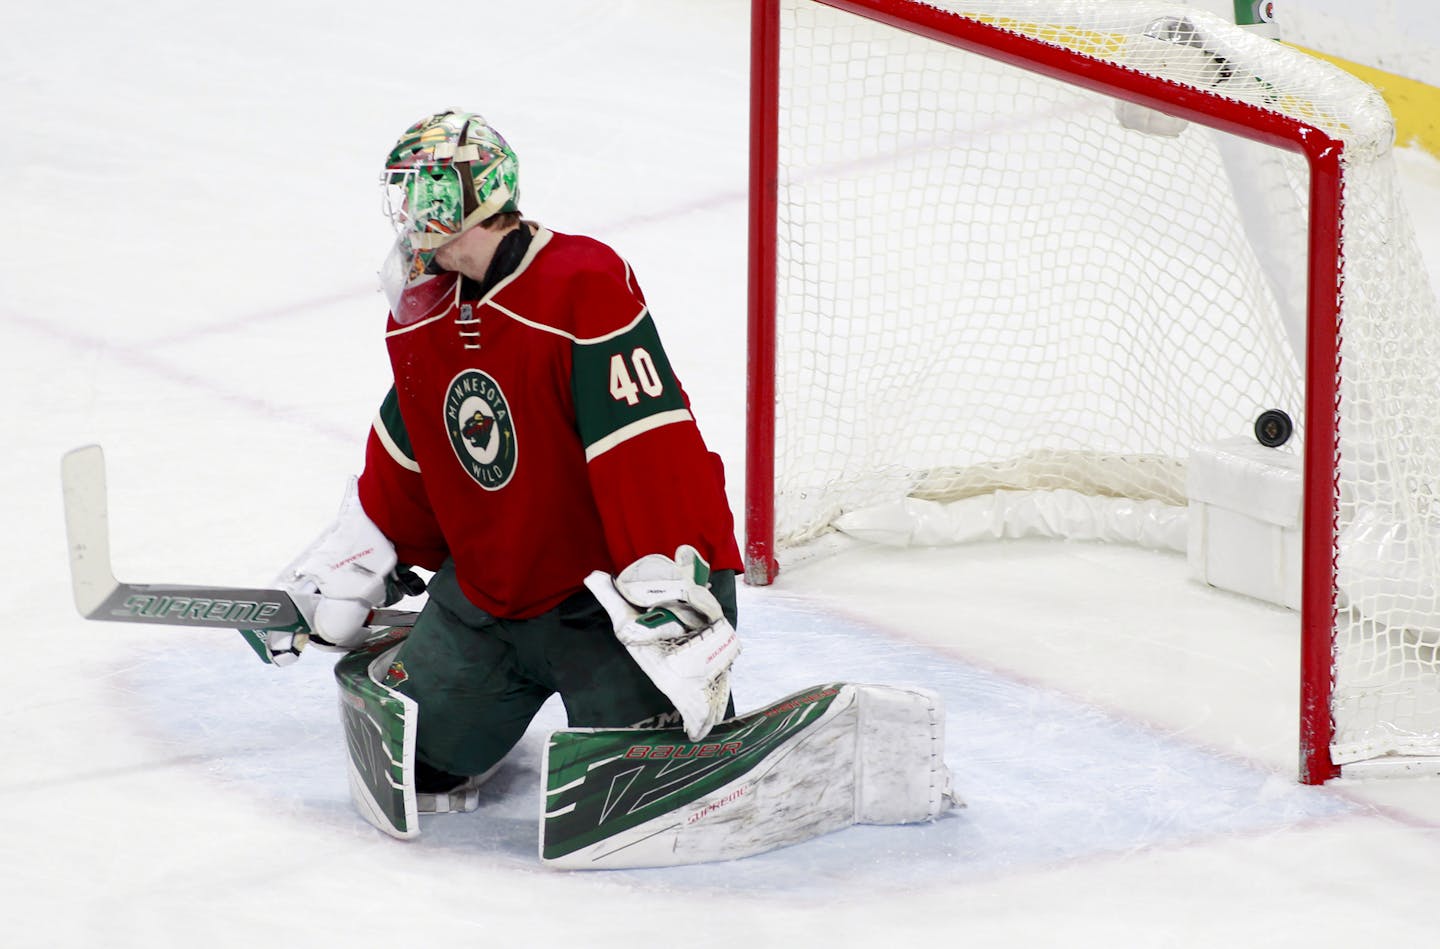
x: 1057, y: 249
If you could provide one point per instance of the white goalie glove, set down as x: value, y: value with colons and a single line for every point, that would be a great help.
x: 674, y: 628
x: 336, y: 582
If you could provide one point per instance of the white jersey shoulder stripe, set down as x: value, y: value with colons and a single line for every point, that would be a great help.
x: 542, y: 237
x: 647, y: 424
x: 415, y: 326
x: 579, y: 340
x: 392, y: 449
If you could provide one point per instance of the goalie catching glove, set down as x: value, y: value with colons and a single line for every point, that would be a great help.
x: 347, y: 571
x: 674, y: 628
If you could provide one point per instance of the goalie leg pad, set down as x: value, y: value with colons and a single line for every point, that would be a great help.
x: 814, y: 762
x: 900, y: 773
x: 380, y: 739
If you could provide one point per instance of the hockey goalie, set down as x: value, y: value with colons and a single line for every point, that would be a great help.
x: 537, y: 455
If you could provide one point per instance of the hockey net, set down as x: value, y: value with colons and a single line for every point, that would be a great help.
x: 1046, y: 248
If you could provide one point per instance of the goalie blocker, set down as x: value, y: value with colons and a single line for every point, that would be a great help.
x: 631, y: 797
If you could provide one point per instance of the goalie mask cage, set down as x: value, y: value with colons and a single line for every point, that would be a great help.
x: 1052, y: 246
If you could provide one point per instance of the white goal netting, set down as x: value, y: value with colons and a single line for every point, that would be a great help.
x: 990, y: 280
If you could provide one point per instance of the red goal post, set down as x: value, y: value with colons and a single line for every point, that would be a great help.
x: 1083, y: 46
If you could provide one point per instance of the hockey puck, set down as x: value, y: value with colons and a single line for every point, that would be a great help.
x: 1273, y: 428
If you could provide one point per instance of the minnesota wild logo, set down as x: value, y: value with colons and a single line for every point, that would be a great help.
x: 396, y: 674
x: 481, y: 430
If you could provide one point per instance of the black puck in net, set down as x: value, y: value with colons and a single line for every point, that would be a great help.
x: 1273, y: 428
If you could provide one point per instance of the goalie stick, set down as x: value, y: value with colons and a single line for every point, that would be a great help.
x: 99, y: 596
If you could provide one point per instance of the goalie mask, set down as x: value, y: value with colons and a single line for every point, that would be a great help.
x: 446, y: 174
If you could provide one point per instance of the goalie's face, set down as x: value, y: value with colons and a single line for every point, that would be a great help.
x: 426, y: 206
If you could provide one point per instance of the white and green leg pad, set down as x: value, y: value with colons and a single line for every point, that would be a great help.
x: 816, y: 761
x: 380, y: 739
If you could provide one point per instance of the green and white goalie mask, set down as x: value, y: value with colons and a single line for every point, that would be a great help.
x: 446, y: 174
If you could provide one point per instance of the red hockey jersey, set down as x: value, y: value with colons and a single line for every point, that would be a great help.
x: 538, y: 433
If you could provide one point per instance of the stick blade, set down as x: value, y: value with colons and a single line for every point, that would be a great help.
x: 100, y: 596
x: 82, y: 478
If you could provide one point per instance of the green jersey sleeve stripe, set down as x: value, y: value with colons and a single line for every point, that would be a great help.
x: 390, y: 429
x: 396, y: 455
x: 640, y: 427
x: 619, y: 384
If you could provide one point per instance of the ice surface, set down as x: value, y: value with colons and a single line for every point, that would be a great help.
x: 189, y: 281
